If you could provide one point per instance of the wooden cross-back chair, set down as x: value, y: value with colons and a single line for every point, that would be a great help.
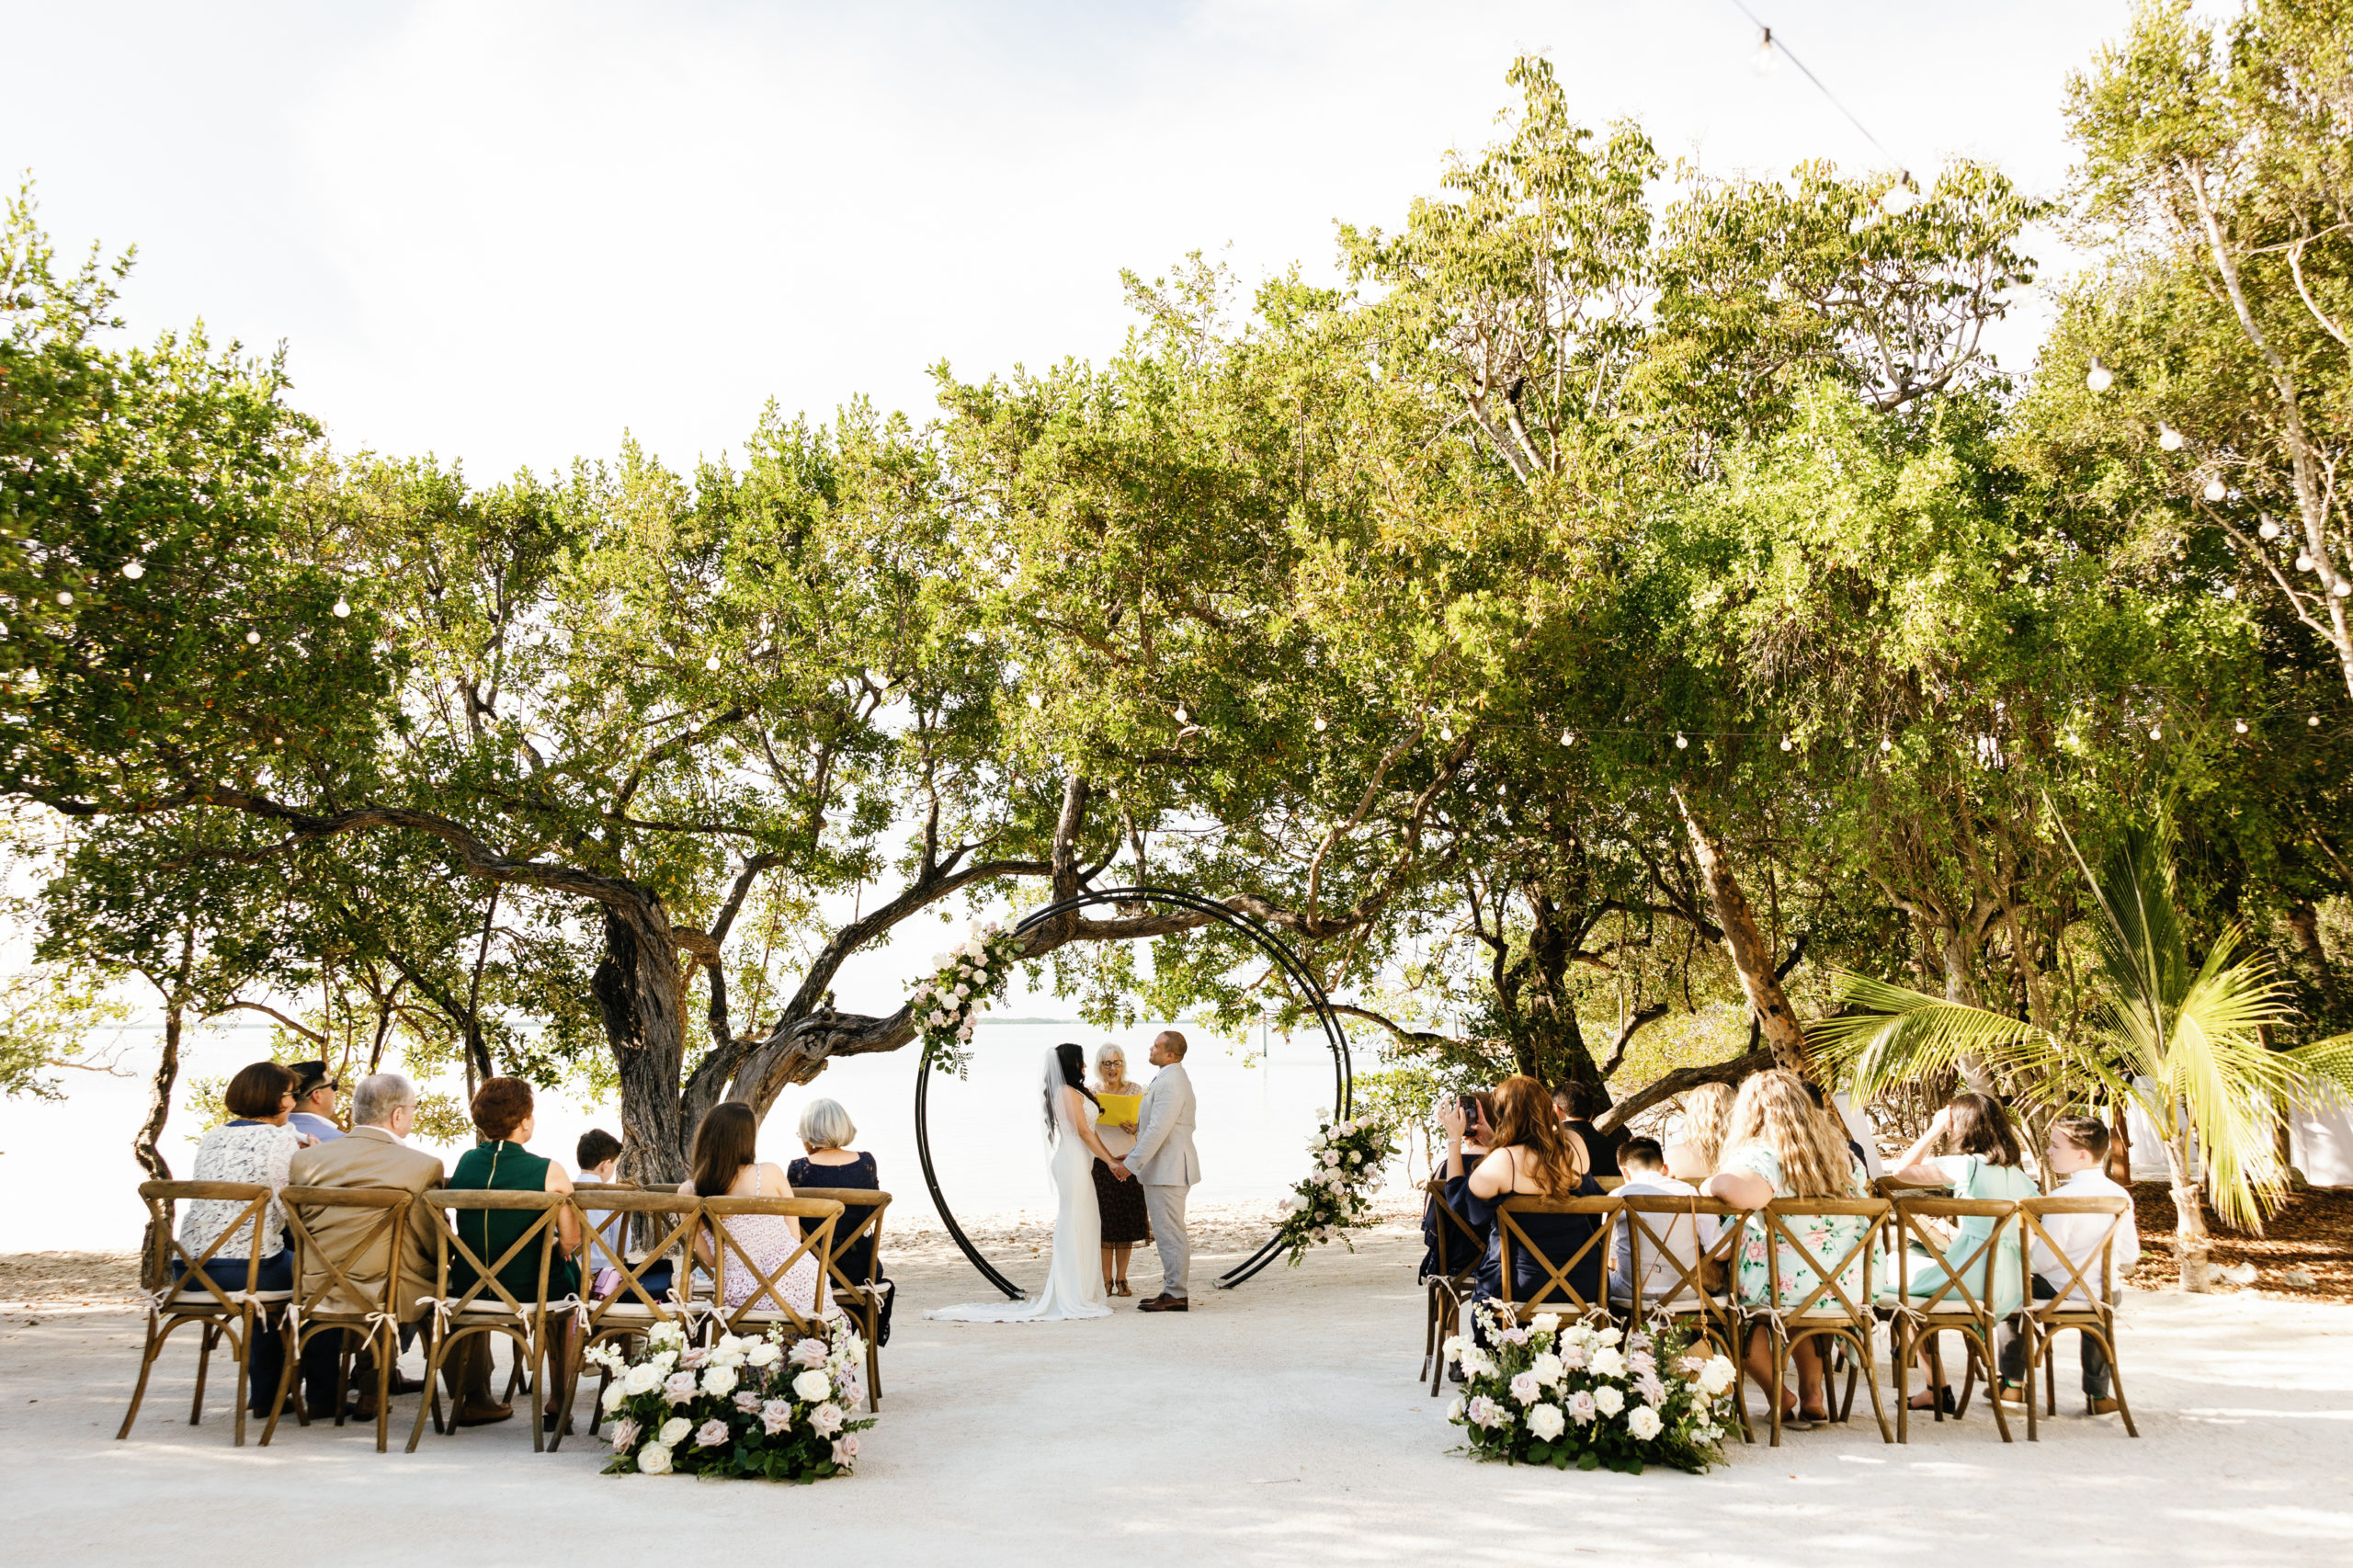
x: 765, y: 1304
x: 182, y: 1293
x: 1556, y: 1292
x: 859, y: 1292
x: 1962, y: 1303
x: 1461, y: 1245
x: 2084, y: 1300
x: 486, y: 1309
x: 339, y: 1304
x: 667, y: 1220
x: 1831, y: 1312
x: 1699, y: 1297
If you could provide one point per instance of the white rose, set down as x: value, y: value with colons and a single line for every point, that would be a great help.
x: 1546, y: 1422
x: 1545, y: 1323
x: 614, y: 1394
x: 643, y: 1378
x: 1548, y: 1369
x: 1716, y: 1376
x: 812, y: 1385
x: 653, y: 1459
x: 1643, y: 1423
x: 719, y: 1382
x: 674, y: 1431
x: 1608, y: 1363
x: 1331, y: 1156
x: 1609, y: 1400
x: 764, y: 1354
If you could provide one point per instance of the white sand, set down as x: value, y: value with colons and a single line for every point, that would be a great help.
x: 1279, y: 1424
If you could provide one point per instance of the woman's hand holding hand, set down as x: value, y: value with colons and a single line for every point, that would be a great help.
x: 1119, y: 1171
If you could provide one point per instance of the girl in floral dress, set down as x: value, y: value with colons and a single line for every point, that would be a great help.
x: 1778, y: 1146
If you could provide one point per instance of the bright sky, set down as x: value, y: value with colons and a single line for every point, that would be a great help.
x: 509, y: 232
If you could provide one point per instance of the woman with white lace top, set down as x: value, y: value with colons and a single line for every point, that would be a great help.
x: 255, y: 1146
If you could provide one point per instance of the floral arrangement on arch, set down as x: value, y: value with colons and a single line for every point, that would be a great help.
x: 948, y: 1000
x: 1335, y: 1196
x: 740, y: 1407
x: 1589, y: 1397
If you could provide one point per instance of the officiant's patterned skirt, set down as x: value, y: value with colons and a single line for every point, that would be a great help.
x: 1124, y: 1221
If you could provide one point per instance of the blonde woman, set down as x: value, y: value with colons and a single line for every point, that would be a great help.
x: 1692, y: 1153
x: 1778, y: 1146
x: 1121, y: 1203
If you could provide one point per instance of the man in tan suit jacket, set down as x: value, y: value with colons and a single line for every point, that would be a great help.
x: 383, y: 1109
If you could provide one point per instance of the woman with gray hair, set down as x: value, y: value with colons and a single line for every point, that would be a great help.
x: 1125, y: 1223
x: 825, y: 1131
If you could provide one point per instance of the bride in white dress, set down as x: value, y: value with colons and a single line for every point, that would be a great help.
x: 1074, y: 1280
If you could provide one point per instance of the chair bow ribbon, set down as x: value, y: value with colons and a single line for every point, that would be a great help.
x: 387, y: 1322
x: 688, y: 1309
x: 1771, y: 1314
x: 576, y: 1306
x: 442, y: 1307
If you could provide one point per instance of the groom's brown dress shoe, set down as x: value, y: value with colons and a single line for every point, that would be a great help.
x: 1164, y: 1302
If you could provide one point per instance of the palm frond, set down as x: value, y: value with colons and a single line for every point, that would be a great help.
x: 2326, y: 1066
x: 1900, y: 1034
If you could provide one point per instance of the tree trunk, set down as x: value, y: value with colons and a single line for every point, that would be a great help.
x: 1750, y: 953
x: 143, y: 1145
x: 2119, y: 1144
x: 2189, y: 1238
x: 1954, y: 950
x: 637, y: 984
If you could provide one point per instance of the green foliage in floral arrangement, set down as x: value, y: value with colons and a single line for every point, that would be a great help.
x: 1336, y: 1196
x: 740, y: 1407
x: 1542, y: 1393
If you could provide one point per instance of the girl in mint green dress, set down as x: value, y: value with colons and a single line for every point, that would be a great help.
x: 1981, y: 1162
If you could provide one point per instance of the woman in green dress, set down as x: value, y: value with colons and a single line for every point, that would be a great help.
x: 501, y: 1113
x: 1977, y: 1156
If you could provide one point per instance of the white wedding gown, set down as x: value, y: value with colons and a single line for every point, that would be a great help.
x: 1074, y: 1279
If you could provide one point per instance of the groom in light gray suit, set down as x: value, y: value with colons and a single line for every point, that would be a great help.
x: 1163, y: 1160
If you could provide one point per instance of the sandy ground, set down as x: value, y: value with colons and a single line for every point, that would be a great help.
x: 1278, y: 1424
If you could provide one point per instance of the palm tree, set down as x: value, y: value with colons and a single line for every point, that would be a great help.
x: 2181, y: 1041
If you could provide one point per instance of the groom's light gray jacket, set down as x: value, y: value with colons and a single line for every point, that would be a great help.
x: 1164, y: 1153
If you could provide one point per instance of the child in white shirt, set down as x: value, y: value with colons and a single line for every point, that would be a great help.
x: 1644, y: 1165
x: 2077, y: 1153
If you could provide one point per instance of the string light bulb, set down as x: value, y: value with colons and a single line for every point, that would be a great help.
x: 1680, y: 744
x: 712, y: 664
x: 2230, y: 590
x: 251, y: 638
x: 1900, y: 198
x: 2303, y: 564
x: 1446, y: 733
x: 1037, y: 702
x: 2343, y: 589
x: 65, y: 598
x: 2157, y: 731
x: 1885, y: 746
x: 1183, y: 717
x: 134, y: 570
x: 2100, y: 377
x: 1568, y: 737
x: 2270, y: 530
x: 2313, y: 723
x: 2240, y: 725
x: 2216, y: 490
x: 1320, y: 726
x: 1786, y: 745
x: 342, y: 607
x: 1764, y: 62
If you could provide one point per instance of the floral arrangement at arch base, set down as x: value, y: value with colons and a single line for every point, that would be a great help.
x: 1335, y: 1196
x: 740, y: 1407
x: 1589, y: 1397
x: 948, y: 1001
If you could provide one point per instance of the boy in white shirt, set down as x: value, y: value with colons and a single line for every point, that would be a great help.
x: 2077, y: 1154
x: 1644, y: 1165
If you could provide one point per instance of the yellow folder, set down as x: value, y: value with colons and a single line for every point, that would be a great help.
x: 1117, y: 1108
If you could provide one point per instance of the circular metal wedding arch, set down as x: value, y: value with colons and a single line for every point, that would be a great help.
x: 1265, y: 941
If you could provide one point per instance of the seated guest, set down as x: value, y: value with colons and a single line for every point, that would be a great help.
x: 2077, y: 1157
x: 1684, y: 1235
x: 256, y: 1146
x: 1698, y: 1140
x: 375, y: 1153
x: 1838, y: 1128
x: 314, y: 1093
x: 503, y: 1114
x: 1977, y: 1155
x: 1576, y: 1105
x: 1468, y: 1124
x: 1534, y: 1157
x: 727, y: 1164
x: 827, y: 1161
x: 1781, y: 1146
x: 598, y: 1154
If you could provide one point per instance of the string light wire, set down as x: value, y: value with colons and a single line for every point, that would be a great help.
x: 1772, y: 40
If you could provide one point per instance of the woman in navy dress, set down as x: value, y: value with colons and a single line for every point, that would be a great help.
x: 826, y: 1130
x: 1534, y: 1158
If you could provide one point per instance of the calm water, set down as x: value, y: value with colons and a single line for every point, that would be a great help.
x: 67, y: 1173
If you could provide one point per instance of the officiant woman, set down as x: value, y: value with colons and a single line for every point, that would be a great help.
x: 1121, y: 1202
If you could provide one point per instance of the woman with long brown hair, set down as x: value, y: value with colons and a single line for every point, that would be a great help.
x: 1970, y: 1147
x: 1533, y: 1157
x: 727, y: 1164
x: 1779, y: 1146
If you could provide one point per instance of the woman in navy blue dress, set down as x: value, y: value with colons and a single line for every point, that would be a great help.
x: 1534, y: 1158
x: 825, y: 1129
